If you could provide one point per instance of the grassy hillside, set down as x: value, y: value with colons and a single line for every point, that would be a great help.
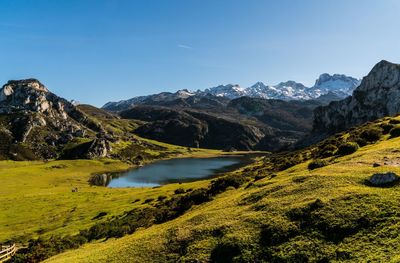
x: 36, y: 197
x: 286, y: 212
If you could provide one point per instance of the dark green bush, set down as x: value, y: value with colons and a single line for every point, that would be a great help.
x: 360, y: 141
x: 318, y: 163
x: 148, y: 200
x: 225, y: 252
x: 395, y: 132
x: 284, y: 163
x: 386, y: 127
x: 179, y: 191
x: 220, y: 184
x: 161, y: 197
x: 259, y: 177
x: 328, y: 150
x: 100, y: 215
x: 371, y: 134
x: 347, y: 148
x: 394, y: 121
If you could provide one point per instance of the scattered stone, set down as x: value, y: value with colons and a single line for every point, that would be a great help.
x: 376, y: 165
x: 383, y: 179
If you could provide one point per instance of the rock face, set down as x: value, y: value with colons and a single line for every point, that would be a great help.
x: 99, y: 148
x: 39, y: 122
x: 100, y: 179
x: 383, y: 179
x: 377, y: 96
x: 31, y: 95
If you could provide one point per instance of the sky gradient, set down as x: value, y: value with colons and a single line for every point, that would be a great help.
x: 99, y: 51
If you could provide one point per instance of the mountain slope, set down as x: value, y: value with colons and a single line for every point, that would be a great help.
x: 193, y: 129
x: 295, y: 214
x: 211, y: 122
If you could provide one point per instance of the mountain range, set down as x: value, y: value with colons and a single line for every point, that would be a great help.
x: 333, y: 199
x: 335, y: 86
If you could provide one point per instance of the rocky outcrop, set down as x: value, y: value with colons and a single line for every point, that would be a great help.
x: 383, y: 179
x: 100, y: 179
x: 41, y: 123
x: 99, y: 148
x: 377, y: 96
x: 94, y: 149
x: 30, y: 96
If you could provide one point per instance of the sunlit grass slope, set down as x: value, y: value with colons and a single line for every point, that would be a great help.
x: 36, y: 198
x: 326, y: 214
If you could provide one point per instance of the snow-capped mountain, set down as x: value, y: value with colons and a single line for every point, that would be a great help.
x: 229, y: 91
x: 341, y: 85
x: 338, y: 86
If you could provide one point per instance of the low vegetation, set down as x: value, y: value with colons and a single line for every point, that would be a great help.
x: 130, y: 221
x: 308, y: 205
x: 317, y: 164
x: 347, y: 148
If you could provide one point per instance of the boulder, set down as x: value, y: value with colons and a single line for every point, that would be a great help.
x: 383, y: 179
x: 100, y: 179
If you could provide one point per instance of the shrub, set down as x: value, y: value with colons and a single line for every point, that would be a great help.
x: 361, y: 142
x: 259, y: 177
x: 220, y: 184
x: 225, y: 252
x: 284, y: 163
x: 99, y: 215
x: 371, y: 135
x: 148, y: 200
x: 328, y: 150
x: 179, y: 191
x: 347, y: 148
x: 395, y: 132
x: 318, y: 163
x: 161, y: 197
x: 394, y: 121
x: 386, y: 127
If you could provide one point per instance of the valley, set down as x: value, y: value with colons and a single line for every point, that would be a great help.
x: 320, y: 183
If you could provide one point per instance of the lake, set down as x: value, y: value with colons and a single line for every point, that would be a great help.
x: 175, y: 171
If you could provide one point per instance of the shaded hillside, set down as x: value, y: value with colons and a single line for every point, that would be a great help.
x: 283, y: 115
x: 244, y: 123
x: 193, y: 129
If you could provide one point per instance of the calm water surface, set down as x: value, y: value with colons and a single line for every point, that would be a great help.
x: 173, y: 171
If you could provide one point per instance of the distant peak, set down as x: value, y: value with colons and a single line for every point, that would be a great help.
x: 291, y: 83
x: 325, y: 77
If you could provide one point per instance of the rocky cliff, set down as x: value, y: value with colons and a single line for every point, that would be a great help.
x: 35, y: 123
x: 377, y: 96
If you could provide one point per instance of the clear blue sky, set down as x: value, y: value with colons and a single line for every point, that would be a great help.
x: 97, y: 51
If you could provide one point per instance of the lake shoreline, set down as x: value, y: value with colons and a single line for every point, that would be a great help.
x: 239, y: 160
